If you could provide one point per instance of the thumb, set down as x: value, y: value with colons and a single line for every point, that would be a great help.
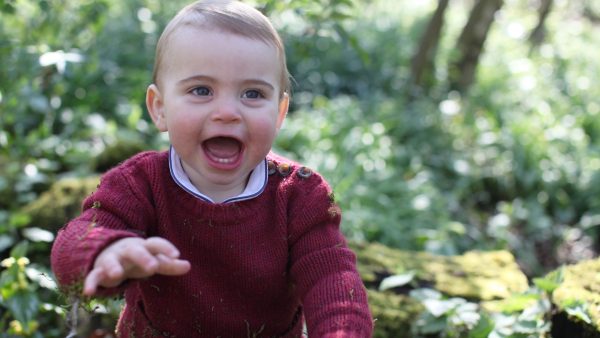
x: 92, y: 280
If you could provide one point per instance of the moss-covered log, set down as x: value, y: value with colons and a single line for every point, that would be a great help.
x: 60, y: 203
x: 63, y: 200
x: 579, y: 288
x: 474, y: 275
x: 478, y: 276
x: 393, y: 313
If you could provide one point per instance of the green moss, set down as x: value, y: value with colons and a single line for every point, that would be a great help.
x: 61, y: 202
x: 474, y: 275
x: 581, y: 284
x: 116, y: 153
x: 480, y: 276
x: 393, y: 314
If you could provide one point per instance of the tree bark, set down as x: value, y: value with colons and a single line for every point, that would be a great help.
x: 538, y: 34
x: 590, y: 14
x: 470, y: 44
x: 423, y: 64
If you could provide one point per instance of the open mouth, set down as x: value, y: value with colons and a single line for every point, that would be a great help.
x: 223, y: 150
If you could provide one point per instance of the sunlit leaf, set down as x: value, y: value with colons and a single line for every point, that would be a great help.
x: 550, y: 282
x: 439, y: 307
x: 38, y: 235
x: 43, y: 278
x: 579, y: 311
x: 424, y: 294
x: 396, y: 280
x: 525, y: 326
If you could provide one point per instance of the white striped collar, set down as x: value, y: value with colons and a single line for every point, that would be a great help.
x: 255, y: 186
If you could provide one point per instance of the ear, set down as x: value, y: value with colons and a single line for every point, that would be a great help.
x: 155, y: 105
x: 284, y: 104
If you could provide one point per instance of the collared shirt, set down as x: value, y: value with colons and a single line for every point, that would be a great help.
x: 255, y: 186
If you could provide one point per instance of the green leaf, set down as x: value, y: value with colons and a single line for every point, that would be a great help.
x: 19, y: 250
x: 484, y: 326
x: 550, y: 282
x: 425, y: 293
x: 579, y: 311
x: 429, y: 324
x: 466, y: 318
x: 41, y: 276
x: 38, y: 235
x: 18, y: 220
x: 396, y: 281
x: 438, y: 307
x: 526, y: 326
x: 518, y: 302
x: 24, y: 305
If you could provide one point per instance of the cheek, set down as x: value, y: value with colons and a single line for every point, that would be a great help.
x: 183, y: 128
x: 264, y: 134
x: 182, y: 119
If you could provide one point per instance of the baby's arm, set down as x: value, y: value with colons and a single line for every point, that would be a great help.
x: 133, y: 258
x: 324, y: 269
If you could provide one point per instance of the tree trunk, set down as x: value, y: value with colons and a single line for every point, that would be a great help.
x: 423, y: 64
x: 538, y: 34
x: 470, y: 44
x: 590, y: 14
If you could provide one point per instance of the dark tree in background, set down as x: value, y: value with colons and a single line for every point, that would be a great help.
x: 590, y: 11
x: 538, y: 34
x: 469, y: 46
x: 423, y: 64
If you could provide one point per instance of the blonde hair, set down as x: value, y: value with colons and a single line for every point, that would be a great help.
x: 229, y: 16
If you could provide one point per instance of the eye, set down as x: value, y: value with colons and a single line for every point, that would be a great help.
x: 201, y: 91
x: 253, y: 94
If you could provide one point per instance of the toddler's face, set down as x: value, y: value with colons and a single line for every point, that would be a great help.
x: 219, y: 100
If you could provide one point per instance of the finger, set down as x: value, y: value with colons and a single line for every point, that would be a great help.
x: 172, y: 267
x: 158, y: 245
x: 92, y: 280
x: 141, y: 259
x: 112, y: 267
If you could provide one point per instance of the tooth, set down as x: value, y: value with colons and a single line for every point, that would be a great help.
x: 224, y: 160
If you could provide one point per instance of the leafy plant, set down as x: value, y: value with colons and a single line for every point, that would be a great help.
x: 28, y: 298
x: 448, y: 317
x: 522, y: 316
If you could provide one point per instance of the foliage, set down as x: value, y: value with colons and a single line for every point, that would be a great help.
x: 28, y: 302
x: 522, y: 316
x: 517, y: 157
x: 512, y: 164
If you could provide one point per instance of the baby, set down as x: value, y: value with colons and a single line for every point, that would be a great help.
x: 219, y: 236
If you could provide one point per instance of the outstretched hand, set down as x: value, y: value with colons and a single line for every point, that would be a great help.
x: 134, y: 257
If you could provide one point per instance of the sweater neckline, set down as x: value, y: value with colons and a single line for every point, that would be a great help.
x: 257, y: 181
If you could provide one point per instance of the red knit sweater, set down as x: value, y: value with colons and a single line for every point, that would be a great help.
x: 259, y: 266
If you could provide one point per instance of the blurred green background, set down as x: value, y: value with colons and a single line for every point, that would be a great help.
x: 420, y: 154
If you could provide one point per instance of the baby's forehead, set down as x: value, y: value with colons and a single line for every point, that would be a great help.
x: 200, y: 24
x: 196, y: 31
x: 196, y: 41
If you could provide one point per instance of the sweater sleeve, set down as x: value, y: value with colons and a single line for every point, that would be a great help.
x: 324, y: 268
x: 116, y: 210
